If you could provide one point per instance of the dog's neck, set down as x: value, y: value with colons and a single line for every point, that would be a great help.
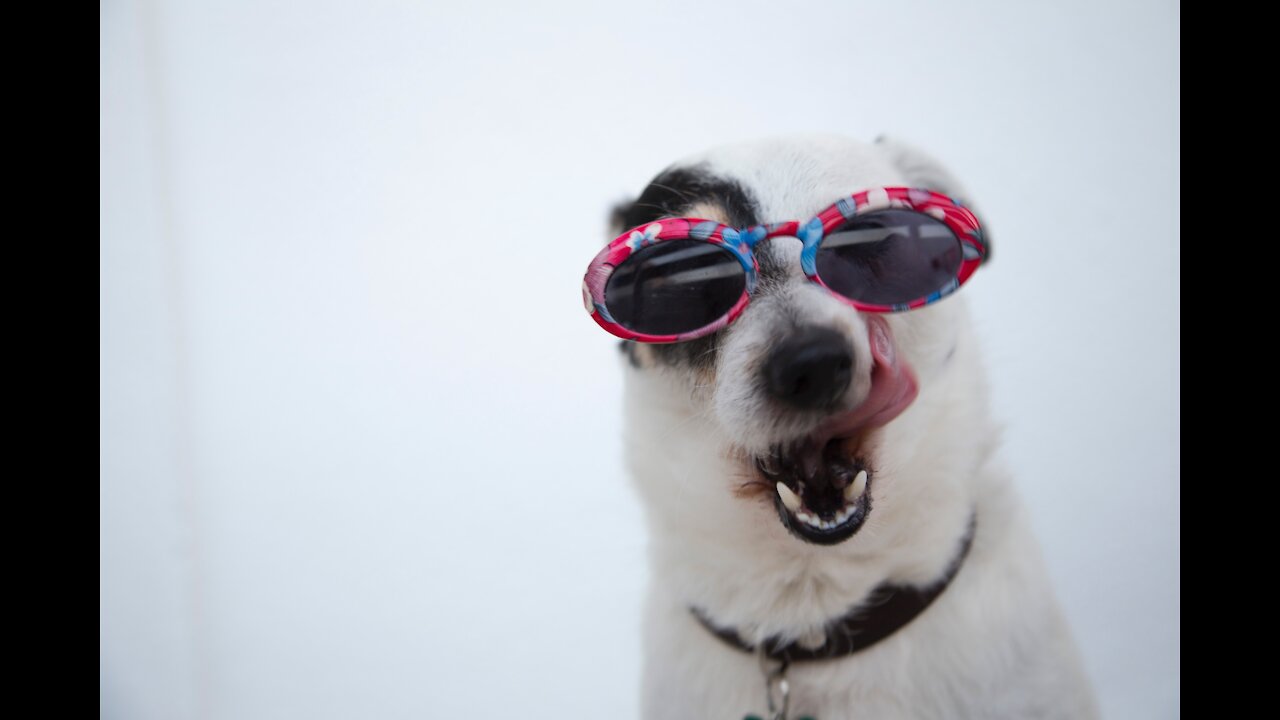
x: 889, y: 609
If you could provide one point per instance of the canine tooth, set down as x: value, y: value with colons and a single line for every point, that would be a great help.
x: 789, y: 498
x: 855, y: 489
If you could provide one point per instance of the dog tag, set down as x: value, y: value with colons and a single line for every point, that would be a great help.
x: 777, y: 691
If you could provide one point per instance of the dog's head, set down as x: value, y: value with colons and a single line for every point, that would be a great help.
x: 803, y: 408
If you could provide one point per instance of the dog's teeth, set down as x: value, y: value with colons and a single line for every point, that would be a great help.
x: 789, y: 498
x: 855, y: 489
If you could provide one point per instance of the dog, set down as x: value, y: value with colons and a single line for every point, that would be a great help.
x: 832, y: 533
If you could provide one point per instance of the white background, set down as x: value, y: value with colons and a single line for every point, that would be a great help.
x: 360, y: 444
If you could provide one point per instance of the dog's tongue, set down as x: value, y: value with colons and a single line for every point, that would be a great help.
x: 893, y: 388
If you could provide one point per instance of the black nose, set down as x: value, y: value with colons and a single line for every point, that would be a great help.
x: 810, y: 368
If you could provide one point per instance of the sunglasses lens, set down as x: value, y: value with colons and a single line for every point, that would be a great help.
x: 674, y: 287
x: 889, y: 257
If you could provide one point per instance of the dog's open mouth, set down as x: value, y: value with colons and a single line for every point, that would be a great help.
x: 826, y: 505
x: 822, y: 482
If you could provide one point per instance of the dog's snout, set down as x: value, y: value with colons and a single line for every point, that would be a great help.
x: 810, y: 369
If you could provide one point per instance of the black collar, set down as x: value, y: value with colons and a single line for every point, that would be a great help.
x: 885, y: 611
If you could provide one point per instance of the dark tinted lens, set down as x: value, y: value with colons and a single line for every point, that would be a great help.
x: 889, y: 257
x: 674, y: 287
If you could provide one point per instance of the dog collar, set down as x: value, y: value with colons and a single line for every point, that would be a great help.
x: 886, y: 610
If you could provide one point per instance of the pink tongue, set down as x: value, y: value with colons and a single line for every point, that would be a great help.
x: 893, y: 388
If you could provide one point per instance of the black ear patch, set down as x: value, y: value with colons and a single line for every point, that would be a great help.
x: 618, y: 217
x: 628, y: 348
x: 676, y: 189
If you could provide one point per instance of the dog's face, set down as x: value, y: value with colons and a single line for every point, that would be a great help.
x: 803, y: 409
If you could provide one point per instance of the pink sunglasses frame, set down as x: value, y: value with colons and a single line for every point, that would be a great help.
x: 741, y: 241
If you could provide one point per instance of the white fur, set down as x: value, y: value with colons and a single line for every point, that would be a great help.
x: 992, y: 646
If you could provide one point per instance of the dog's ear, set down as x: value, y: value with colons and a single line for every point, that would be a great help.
x: 924, y: 171
x: 618, y: 218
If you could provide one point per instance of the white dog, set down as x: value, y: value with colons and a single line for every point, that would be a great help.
x: 833, y: 534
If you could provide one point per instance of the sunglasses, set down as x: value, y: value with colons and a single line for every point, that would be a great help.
x: 881, y: 250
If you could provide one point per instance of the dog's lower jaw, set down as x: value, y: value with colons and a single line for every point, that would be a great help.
x: 753, y: 574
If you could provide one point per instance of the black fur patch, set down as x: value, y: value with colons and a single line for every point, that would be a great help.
x: 677, y: 189
x: 668, y: 195
x: 628, y: 348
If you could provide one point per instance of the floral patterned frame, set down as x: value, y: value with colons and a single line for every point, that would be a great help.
x: 741, y: 241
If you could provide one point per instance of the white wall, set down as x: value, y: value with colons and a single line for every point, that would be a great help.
x: 360, y: 445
